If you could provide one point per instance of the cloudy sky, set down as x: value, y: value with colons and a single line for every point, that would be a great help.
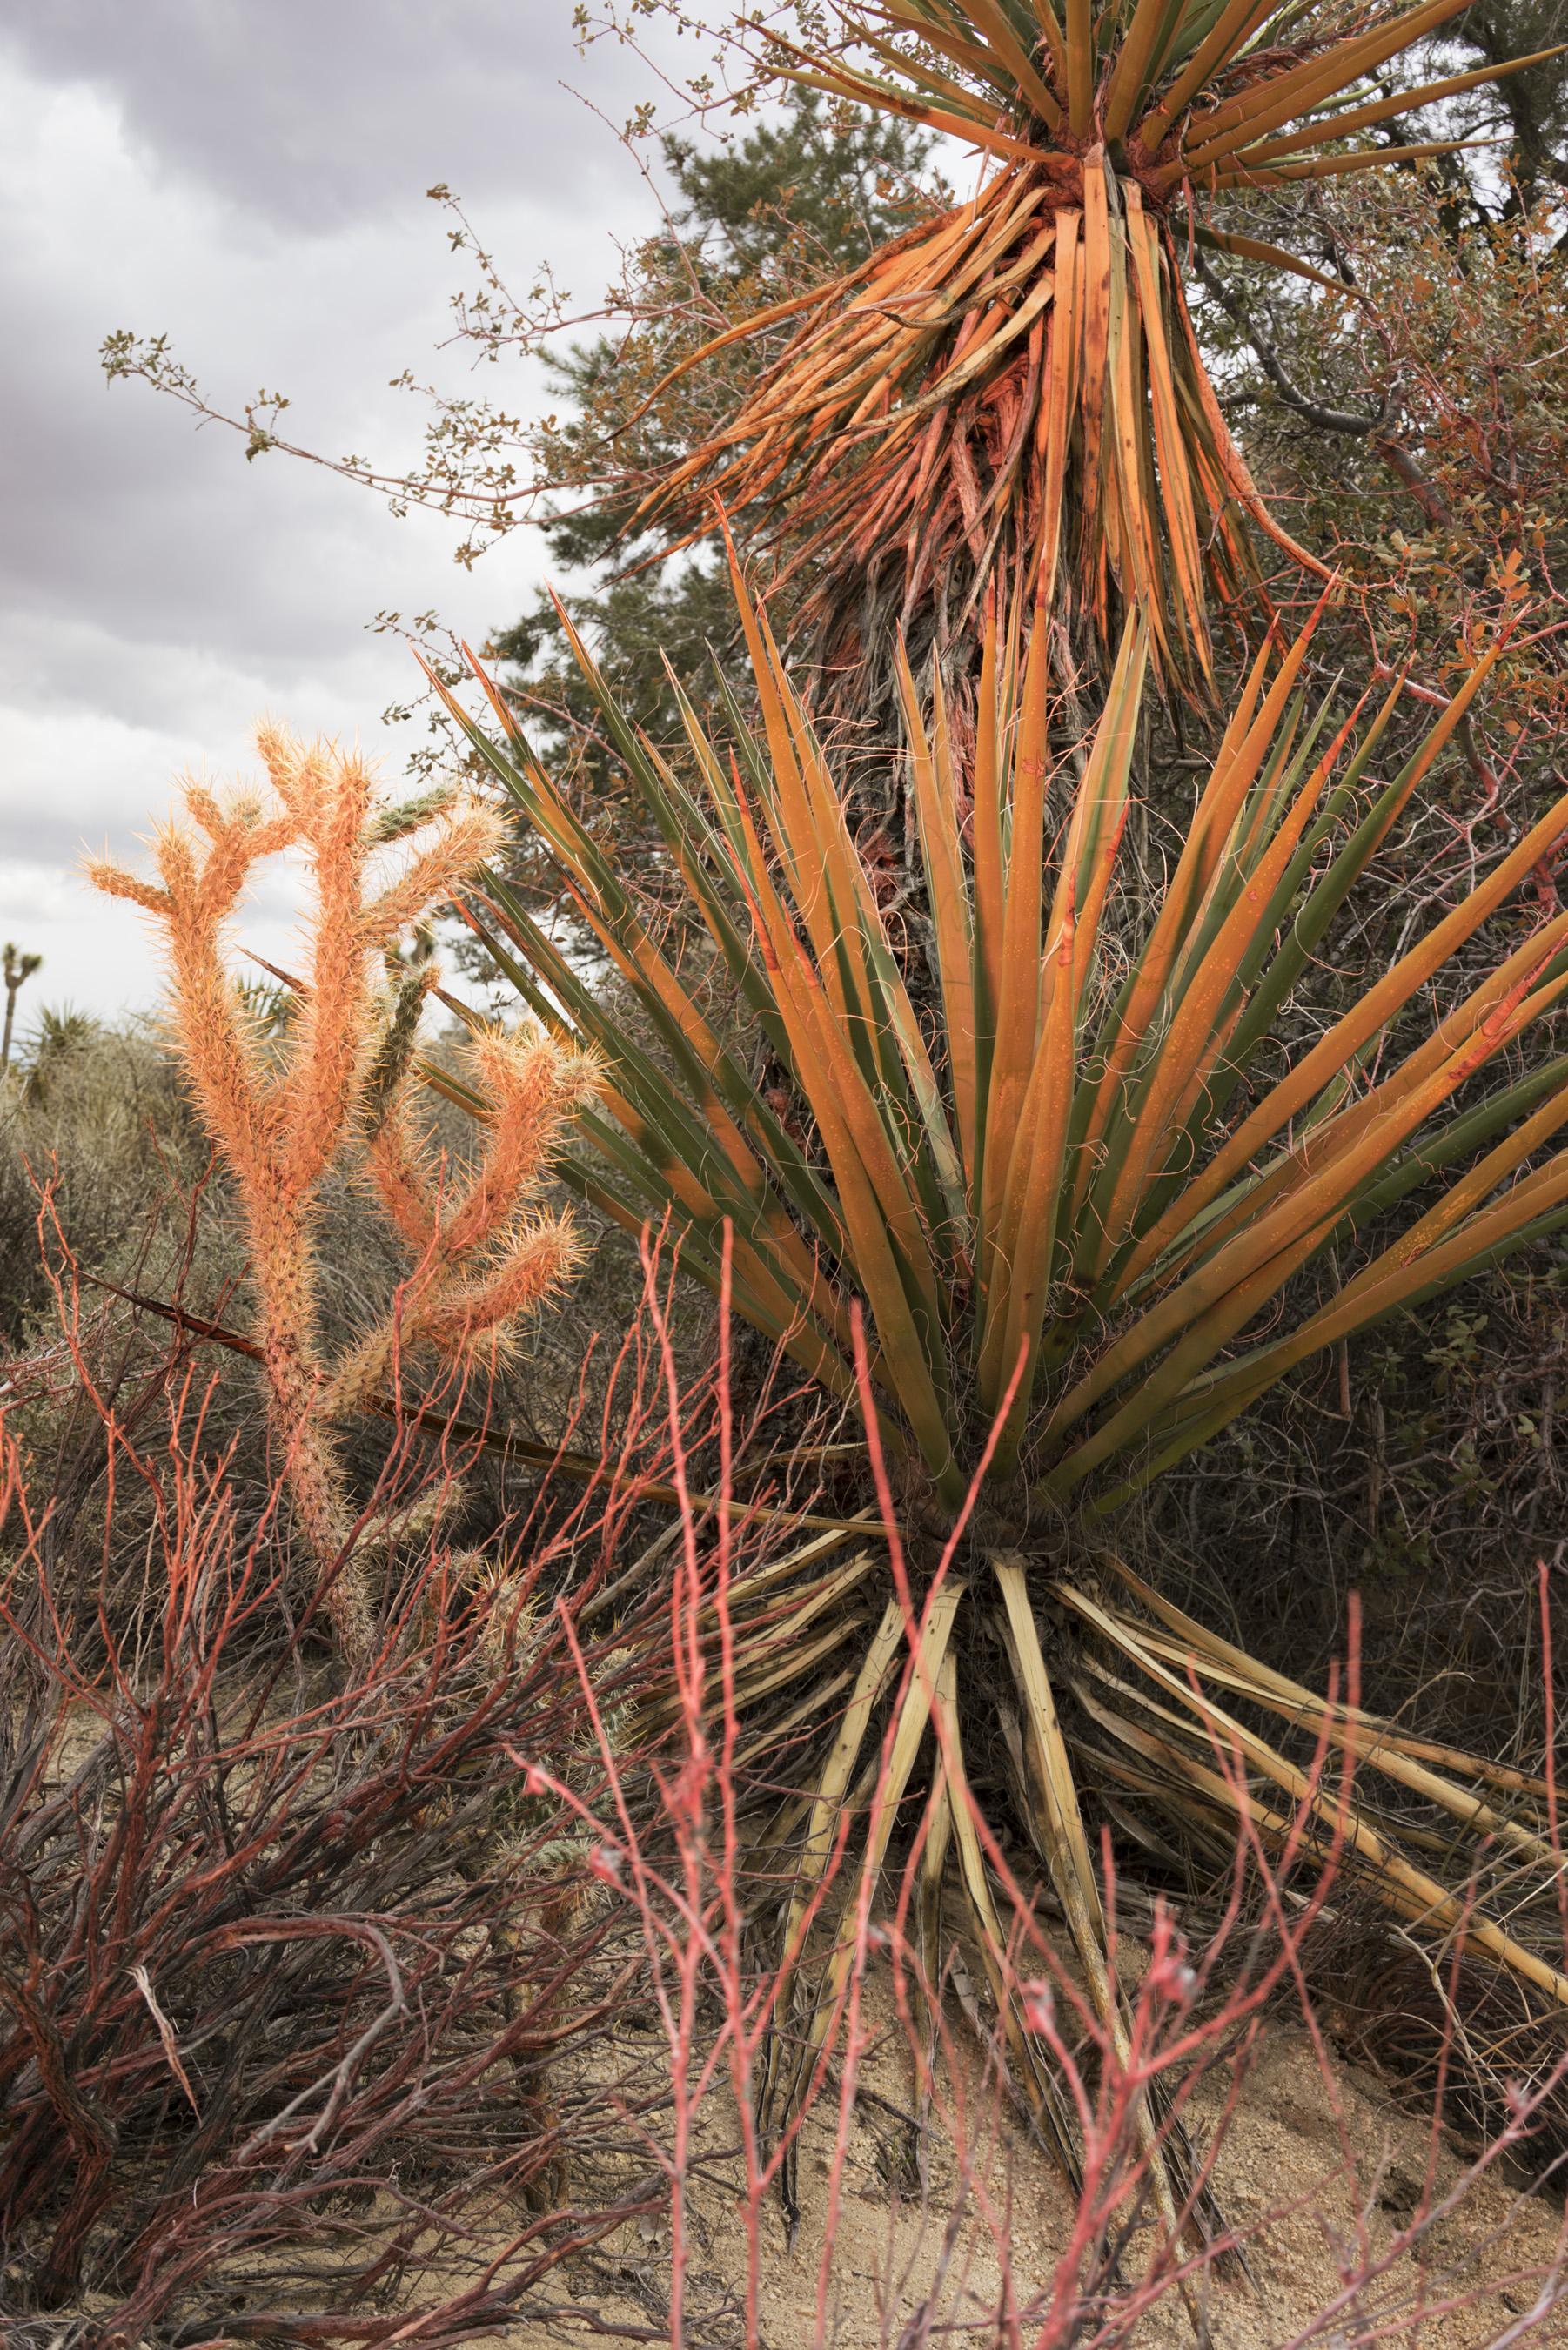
x: 249, y: 179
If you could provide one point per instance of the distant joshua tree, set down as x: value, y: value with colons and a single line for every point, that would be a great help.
x: 19, y: 968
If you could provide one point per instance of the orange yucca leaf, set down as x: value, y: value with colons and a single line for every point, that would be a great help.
x: 949, y: 897
x: 1131, y: 68
x: 885, y: 98
x: 1296, y: 1091
x: 1143, y: 239
x: 1277, y: 97
x: 1206, y: 1024
x: 1099, y: 815
x: 1235, y: 765
x: 786, y: 1282
x: 869, y: 996
x: 1193, y: 1040
x: 1057, y: 417
x: 1229, y: 835
x: 1245, y: 856
x: 1080, y: 48
x: 992, y: 21
x: 1333, y: 1051
x: 1459, y: 1202
x: 1094, y: 834
x: 1239, y: 173
x: 1537, y: 1207
x: 1269, y: 990
x: 813, y: 845
x: 1360, y: 118
x: 1451, y: 1209
x: 1003, y: 1272
x: 1019, y: 962
x: 1096, y: 320
x: 1034, y: 1200
x: 1204, y: 1311
x: 1138, y: 532
x: 1204, y: 1336
x: 998, y: 330
x: 1531, y: 1205
x: 625, y: 940
x: 828, y: 1071
x: 884, y: 1240
x: 1251, y: 248
x: 1226, y: 39
x: 879, y: 264
x: 989, y: 887
x: 781, y: 1302
x: 1506, y: 1002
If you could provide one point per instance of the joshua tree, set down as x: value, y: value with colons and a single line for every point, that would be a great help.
x: 1014, y: 390
x: 19, y: 968
x: 282, y: 1113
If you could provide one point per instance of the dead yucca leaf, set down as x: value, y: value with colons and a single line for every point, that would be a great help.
x: 1017, y: 383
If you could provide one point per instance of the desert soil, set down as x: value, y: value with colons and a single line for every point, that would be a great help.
x: 1320, y: 2170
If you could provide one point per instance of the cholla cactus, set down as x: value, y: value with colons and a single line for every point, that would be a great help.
x: 281, y: 1117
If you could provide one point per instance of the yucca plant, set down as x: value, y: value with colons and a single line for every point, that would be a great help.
x: 1061, y: 1203
x: 1059, y: 1189
x: 1017, y: 384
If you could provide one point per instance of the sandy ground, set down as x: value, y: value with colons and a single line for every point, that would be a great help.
x: 1319, y: 2170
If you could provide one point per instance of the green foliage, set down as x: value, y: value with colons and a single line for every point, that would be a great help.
x: 1416, y: 417
x: 756, y: 222
x: 1530, y: 108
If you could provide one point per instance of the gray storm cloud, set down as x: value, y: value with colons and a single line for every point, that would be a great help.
x: 250, y: 179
